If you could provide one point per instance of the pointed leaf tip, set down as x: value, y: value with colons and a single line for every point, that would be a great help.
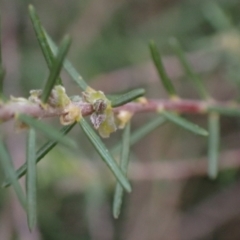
x: 167, y: 84
x: 31, y: 7
x: 41, y: 37
x: 213, y: 144
x: 182, y: 122
x: 104, y: 153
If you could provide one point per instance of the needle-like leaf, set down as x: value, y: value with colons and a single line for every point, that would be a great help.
x: 77, y: 78
x: 0, y: 41
x: 56, y: 68
x: 184, y: 123
x: 126, y: 97
x: 2, y: 70
x: 104, y: 153
x: 48, y: 130
x: 166, y: 81
x: 47, y: 147
x: 31, y: 181
x: 142, y: 131
x: 226, y: 110
x: 213, y: 144
x: 188, y: 69
x: 124, y: 161
x: 2, y: 75
x: 10, y: 174
x: 38, y: 28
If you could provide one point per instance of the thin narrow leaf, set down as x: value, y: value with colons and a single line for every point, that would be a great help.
x: 77, y: 78
x: 10, y: 174
x: 2, y: 75
x: 184, y: 123
x: 213, y: 144
x: 126, y: 97
x: 105, y: 155
x: 0, y: 41
x: 146, y: 129
x: 56, y: 68
x: 227, y: 110
x: 118, y: 195
x: 188, y: 69
x: 48, y: 130
x: 2, y: 70
x: 161, y: 70
x: 31, y: 180
x: 41, y: 153
x: 143, y: 131
x: 46, y: 50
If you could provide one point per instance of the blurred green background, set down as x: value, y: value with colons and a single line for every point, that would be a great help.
x: 172, y: 197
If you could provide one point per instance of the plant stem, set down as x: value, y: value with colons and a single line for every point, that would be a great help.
x: 10, y: 109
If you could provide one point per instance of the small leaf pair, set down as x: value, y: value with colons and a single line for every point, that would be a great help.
x: 54, y: 63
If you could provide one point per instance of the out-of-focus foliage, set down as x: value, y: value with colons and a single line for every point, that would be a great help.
x: 110, y: 49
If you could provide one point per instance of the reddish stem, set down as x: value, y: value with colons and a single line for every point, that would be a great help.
x: 9, y: 110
